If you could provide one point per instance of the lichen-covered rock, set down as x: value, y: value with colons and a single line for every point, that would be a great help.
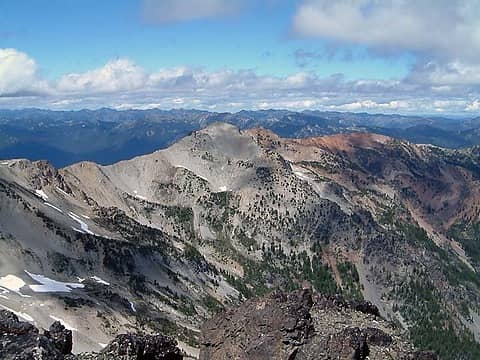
x: 61, y: 337
x: 141, y: 347
x: 377, y: 337
x: 350, y: 343
x: 22, y: 341
x: 9, y: 324
x: 299, y: 326
x: 273, y: 327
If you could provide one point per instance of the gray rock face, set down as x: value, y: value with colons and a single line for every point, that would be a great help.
x: 61, y: 337
x: 351, y: 343
x: 23, y: 341
x: 297, y: 326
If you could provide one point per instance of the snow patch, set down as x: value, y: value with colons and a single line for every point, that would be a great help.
x: 51, y: 286
x: 222, y: 188
x: 67, y: 326
x: 4, y: 297
x: 53, y: 207
x: 22, y: 315
x: 103, y: 345
x: 41, y: 194
x: 132, y: 306
x: 140, y: 197
x: 63, y: 192
x: 100, y: 280
x: 83, y: 225
x: 12, y: 283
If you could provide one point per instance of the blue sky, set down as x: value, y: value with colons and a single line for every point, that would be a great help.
x: 73, y: 36
x: 360, y: 55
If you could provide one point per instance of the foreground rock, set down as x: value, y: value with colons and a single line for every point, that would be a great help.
x: 138, y: 347
x: 276, y: 325
x: 23, y: 341
x: 303, y: 327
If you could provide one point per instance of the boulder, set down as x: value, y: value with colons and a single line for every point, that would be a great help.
x: 61, y: 337
x: 273, y: 327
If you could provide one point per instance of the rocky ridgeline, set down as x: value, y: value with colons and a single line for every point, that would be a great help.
x: 23, y: 341
x: 304, y: 326
x: 291, y: 326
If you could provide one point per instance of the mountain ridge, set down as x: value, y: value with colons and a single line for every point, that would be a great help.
x: 226, y: 214
x: 62, y: 136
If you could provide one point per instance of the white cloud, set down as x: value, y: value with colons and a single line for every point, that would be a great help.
x: 473, y: 106
x: 446, y: 73
x: 370, y: 104
x: 165, y: 11
x: 18, y: 74
x: 288, y: 104
x: 449, y: 28
x: 123, y: 84
x: 115, y: 76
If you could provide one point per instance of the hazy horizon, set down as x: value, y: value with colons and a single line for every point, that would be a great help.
x: 452, y: 116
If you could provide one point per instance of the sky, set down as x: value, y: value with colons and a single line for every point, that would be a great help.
x: 389, y: 56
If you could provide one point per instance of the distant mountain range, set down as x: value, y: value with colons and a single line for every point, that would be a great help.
x: 106, y: 136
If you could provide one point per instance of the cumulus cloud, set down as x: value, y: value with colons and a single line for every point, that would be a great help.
x: 369, y: 105
x: 123, y: 84
x: 166, y: 11
x: 451, y: 73
x: 18, y: 74
x: 447, y: 28
x: 473, y: 106
x: 115, y: 76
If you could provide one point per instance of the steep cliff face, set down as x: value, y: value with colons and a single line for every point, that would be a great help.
x: 164, y: 241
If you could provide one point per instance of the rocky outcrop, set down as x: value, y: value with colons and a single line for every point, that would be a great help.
x: 301, y: 327
x: 139, y: 347
x: 60, y: 337
x: 23, y: 341
x: 260, y: 328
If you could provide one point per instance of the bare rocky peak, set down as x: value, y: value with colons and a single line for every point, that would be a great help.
x: 211, y: 155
